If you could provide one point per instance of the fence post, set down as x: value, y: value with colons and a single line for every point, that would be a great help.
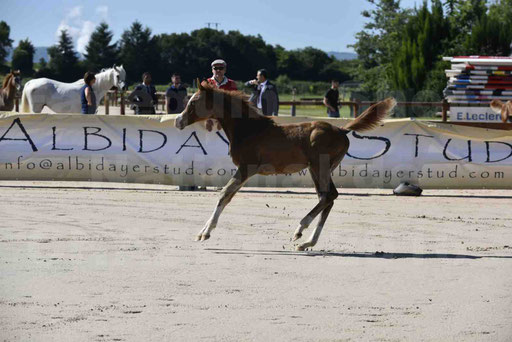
x: 294, y: 107
x: 105, y: 100
x: 115, y: 97
x: 444, y: 112
x: 357, y: 105
x: 17, y: 104
x: 122, y: 102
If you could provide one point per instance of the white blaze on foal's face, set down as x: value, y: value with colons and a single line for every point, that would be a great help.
x: 188, y: 116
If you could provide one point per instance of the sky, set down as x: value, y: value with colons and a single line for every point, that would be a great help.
x: 329, y: 25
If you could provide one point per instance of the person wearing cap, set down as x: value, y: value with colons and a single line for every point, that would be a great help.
x: 219, y: 80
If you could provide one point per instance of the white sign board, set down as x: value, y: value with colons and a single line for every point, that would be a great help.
x: 148, y: 149
x: 474, y: 114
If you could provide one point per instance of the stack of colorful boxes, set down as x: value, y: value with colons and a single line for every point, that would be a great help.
x: 478, y: 80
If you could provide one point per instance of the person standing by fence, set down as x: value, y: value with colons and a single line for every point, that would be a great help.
x: 87, y: 96
x: 219, y: 80
x: 144, y: 104
x: 264, y: 94
x: 331, y: 99
x: 175, y: 95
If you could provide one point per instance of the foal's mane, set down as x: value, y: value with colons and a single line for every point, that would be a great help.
x: 7, y: 79
x: 236, y: 96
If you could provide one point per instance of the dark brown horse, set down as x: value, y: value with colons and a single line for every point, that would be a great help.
x: 258, y: 145
x: 12, y: 83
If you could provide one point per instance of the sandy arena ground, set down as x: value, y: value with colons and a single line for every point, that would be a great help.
x: 117, y: 262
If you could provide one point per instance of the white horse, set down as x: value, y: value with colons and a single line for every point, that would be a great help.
x: 65, y: 97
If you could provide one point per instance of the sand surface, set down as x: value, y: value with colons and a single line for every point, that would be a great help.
x: 117, y: 262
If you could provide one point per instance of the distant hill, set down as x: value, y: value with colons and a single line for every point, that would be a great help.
x: 342, y: 55
x: 39, y: 53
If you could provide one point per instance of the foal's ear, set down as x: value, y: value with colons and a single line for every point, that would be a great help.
x: 199, y: 84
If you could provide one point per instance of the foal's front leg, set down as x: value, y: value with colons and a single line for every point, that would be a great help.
x: 226, y: 195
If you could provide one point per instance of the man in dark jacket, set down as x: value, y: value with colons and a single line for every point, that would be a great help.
x: 144, y: 97
x: 264, y: 94
x: 176, y: 95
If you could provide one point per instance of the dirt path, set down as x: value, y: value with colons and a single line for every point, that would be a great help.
x: 120, y: 264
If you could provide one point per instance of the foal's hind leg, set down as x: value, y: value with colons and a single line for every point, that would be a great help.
x: 330, y: 196
x: 326, y: 190
x: 306, y: 221
x: 226, y: 195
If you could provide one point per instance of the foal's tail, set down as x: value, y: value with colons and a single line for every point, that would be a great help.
x: 372, y: 117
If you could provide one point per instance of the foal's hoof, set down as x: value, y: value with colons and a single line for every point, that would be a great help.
x: 297, y: 236
x: 205, y: 237
x: 198, y: 238
x: 300, y: 248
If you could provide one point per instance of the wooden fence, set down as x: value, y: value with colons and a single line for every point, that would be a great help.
x: 118, y: 98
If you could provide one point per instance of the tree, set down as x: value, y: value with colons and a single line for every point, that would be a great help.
x: 42, y: 63
x: 139, y: 52
x: 23, y: 56
x: 378, y: 42
x: 5, y: 41
x: 191, y: 54
x: 63, y: 59
x: 464, y: 15
x: 422, y: 46
x: 491, y: 33
x: 177, y: 54
x: 489, y: 37
x: 100, y: 52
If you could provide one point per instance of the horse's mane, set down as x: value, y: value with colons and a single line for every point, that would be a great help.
x: 7, y: 79
x: 236, y: 96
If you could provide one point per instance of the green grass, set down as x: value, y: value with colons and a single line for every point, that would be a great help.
x: 313, y: 111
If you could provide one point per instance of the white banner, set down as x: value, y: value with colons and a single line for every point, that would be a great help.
x: 148, y: 149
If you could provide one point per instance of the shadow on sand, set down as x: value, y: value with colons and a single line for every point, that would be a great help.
x: 376, y: 255
x: 172, y: 188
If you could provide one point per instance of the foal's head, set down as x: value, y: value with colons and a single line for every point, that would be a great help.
x: 13, y: 80
x: 505, y: 109
x: 212, y: 103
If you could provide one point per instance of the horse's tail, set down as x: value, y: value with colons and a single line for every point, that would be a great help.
x: 25, y: 108
x: 372, y: 117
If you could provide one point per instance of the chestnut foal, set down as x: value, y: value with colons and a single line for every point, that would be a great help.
x: 505, y: 109
x: 258, y: 145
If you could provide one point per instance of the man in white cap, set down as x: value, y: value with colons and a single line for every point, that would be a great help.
x: 219, y: 80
